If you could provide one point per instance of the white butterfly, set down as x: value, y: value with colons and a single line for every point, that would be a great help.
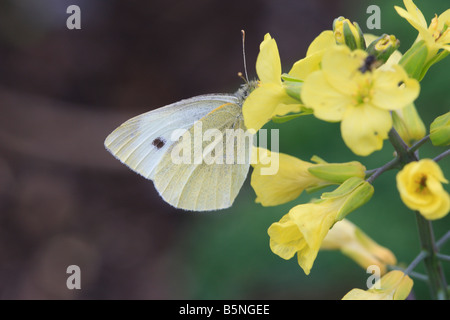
x: 145, y: 144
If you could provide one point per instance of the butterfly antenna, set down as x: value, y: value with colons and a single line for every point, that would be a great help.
x: 243, y: 54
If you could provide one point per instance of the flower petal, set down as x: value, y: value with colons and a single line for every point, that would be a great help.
x: 261, y: 105
x: 328, y: 103
x: 302, y: 68
x: 364, y: 128
x: 287, y: 184
x: 313, y: 221
x: 285, y: 238
x: 268, y: 64
x: 323, y: 41
x: 393, y: 89
x: 416, y: 19
x: 340, y: 66
x: 415, y: 12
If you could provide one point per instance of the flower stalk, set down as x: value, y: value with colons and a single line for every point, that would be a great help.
x: 436, y: 277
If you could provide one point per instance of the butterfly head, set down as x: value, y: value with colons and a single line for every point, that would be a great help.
x: 245, y: 89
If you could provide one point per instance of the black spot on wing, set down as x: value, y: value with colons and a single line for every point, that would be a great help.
x: 159, y: 142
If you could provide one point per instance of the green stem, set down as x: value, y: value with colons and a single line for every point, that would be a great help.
x: 443, y: 257
x: 412, y: 274
x: 443, y: 240
x: 419, y: 143
x: 442, y: 156
x: 438, y: 285
x: 390, y: 165
x: 399, y: 145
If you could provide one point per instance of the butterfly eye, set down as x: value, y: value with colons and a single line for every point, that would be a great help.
x: 159, y: 143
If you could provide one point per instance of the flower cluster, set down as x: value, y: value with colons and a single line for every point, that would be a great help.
x: 363, y: 82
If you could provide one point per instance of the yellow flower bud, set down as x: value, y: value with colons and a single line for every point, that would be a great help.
x: 394, y: 285
x: 408, y: 124
x: 420, y: 187
x: 348, y: 33
x: 440, y: 130
x: 382, y: 47
x: 355, y: 244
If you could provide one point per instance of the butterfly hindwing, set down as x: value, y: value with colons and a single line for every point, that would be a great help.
x: 203, y: 186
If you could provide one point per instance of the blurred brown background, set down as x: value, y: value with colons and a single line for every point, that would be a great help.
x: 65, y: 200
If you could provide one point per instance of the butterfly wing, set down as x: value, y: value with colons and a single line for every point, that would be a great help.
x: 144, y: 143
x: 209, y: 186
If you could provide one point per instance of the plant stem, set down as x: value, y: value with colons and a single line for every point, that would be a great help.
x: 390, y: 165
x: 442, y: 155
x: 443, y: 257
x: 438, y: 285
x: 443, y: 240
x: 422, y: 255
x: 419, y: 143
x: 399, y: 145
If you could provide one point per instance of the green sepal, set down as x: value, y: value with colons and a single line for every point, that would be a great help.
x: 414, y: 59
x: 440, y: 130
x: 383, y: 55
x: 338, y: 172
x: 438, y: 57
x: 360, y: 196
x: 318, y: 187
x: 345, y: 188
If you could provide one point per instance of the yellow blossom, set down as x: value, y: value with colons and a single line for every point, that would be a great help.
x: 286, y: 184
x: 420, y: 187
x: 394, y: 285
x: 343, y: 90
x: 270, y: 98
x: 436, y: 35
x: 302, y: 230
x: 355, y: 244
x: 274, y: 187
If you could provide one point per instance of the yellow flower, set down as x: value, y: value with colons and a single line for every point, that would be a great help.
x: 436, y: 35
x: 302, y: 230
x: 355, y: 244
x: 270, y: 98
x: 343, y: 90
x: 394, y: 285
x: 286, y: 184
x: 278, y: 178
x: 420, y: 187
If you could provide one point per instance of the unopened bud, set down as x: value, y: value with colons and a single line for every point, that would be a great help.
x: 440, y: 130
x: 348, y: 33
x: 382, y: 47
x: 408, y: 124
